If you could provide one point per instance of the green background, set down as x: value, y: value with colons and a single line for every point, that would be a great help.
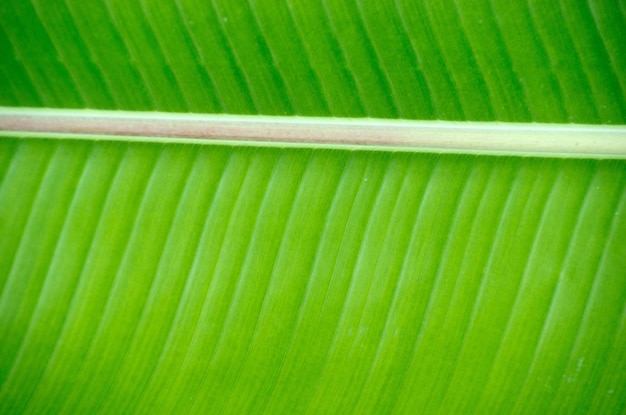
x: 204, y: 278
x: 535, y: 60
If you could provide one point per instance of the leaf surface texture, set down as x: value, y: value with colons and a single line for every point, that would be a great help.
x: 146, y: 277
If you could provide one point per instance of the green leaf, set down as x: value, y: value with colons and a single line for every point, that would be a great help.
x: 142, y: 275
x: 414, y: 59
x: 149, y: 277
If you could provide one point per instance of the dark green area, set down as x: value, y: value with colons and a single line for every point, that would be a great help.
x: 501, y: 60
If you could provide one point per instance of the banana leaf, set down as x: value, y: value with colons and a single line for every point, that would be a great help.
x: 177, y: 275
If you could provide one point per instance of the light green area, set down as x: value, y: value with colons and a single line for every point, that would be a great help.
x: 158, y: 278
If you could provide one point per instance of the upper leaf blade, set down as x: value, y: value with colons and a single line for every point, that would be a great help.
x: 453, y: 60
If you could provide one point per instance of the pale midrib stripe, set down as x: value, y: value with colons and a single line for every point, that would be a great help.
x: 553, y: 140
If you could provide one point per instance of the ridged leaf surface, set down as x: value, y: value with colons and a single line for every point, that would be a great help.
x: 504, y: 60
x: 180, y: 278
x: 144, y: 277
